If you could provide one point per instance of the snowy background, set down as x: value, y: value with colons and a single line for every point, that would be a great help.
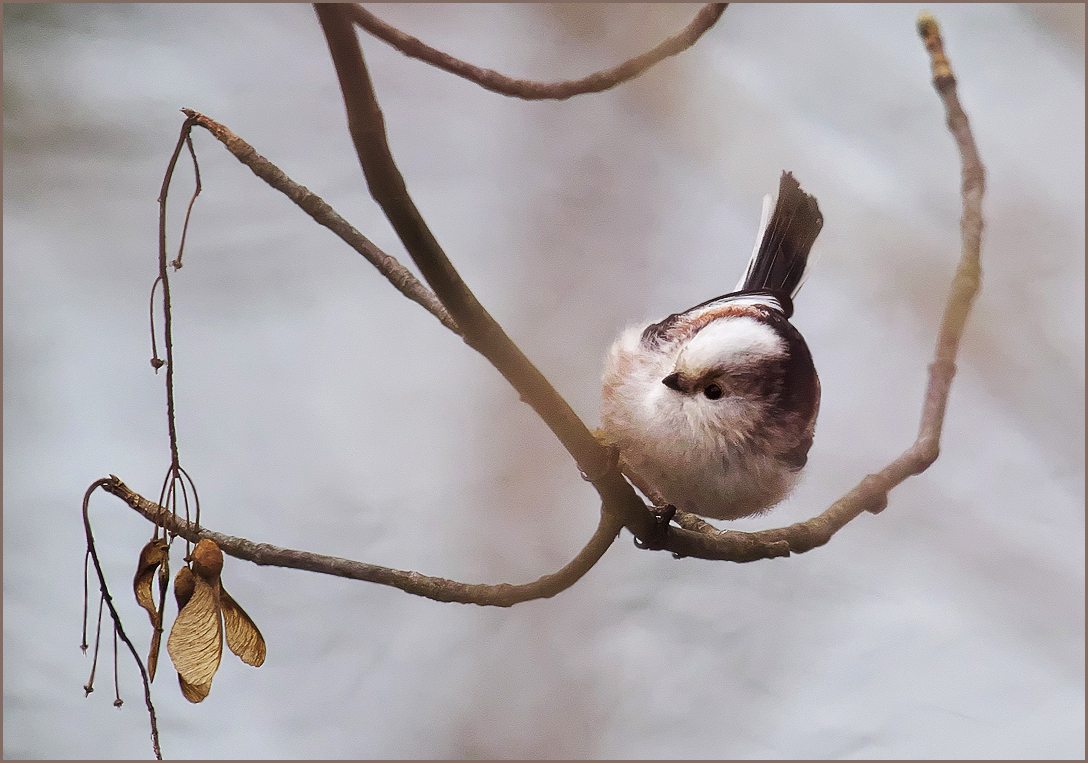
x: 318, y: 409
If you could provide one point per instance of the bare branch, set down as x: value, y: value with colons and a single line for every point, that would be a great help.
x: 481, y: 332
x: 440, y: 589
x: 969, y: 273
x: 164, y: 277
x: 528, y: 89
x: 313, y: 205
x: 694, y: 537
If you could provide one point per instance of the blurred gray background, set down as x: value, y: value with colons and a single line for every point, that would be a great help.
x: 318, y: 409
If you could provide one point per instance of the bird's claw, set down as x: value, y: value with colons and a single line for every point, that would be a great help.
x: 663, y: 516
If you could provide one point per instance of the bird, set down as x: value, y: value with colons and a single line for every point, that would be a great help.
x: 712, y: 410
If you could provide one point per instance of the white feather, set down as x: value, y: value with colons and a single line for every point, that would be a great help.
x: 764, y: 221
x: 729, y: 342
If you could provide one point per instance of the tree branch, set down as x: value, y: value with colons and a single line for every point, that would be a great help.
x: 439, y: 589
x: 366, y: 124
x: 968, y: 279
x: 620, y: 504
x: 481, y: 332
x: 528, y: 89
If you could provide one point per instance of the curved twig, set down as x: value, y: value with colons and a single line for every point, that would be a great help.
x: 528, y: 89
x: 440, y: 589
x: 176, y: 264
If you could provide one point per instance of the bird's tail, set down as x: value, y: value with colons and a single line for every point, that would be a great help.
x: 780, y: 260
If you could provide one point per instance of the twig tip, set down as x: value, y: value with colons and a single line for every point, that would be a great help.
x: 927, y: 24
x: 930, y: 32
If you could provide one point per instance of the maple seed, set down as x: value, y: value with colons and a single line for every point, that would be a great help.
x: 154, y: 556
x: 205, y: 613
x: 196, y: 638
x: 243, y: 636
x: 151, y: 557
x: 207, y: 560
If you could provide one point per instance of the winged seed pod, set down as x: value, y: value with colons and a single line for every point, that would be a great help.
x: 154, y: 556
x: 196, y: 639
x: 243, y: 636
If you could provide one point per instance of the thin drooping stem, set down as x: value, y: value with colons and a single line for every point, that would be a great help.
x: 528, y: 89
x: 108, y: 599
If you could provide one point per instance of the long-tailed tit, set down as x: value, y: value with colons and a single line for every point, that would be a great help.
x: 713, y: 409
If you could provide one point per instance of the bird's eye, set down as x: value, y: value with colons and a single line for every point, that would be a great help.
x: 712, y: 391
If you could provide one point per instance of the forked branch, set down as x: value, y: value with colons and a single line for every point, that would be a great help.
x: 456, y: 306
x: 696, y: 538
x: 481, y: 331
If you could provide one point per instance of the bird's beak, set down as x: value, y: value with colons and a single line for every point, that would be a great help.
x: 679, y: 382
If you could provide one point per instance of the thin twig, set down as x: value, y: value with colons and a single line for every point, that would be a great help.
x: 89, y: 686
x: 192, y: 201
x: 440, y: 589
x: 968, y: 277
x: 165, y: 278
x: 86, y: 597
x: 156, y: 361
x: 313, y: 205
x: 117, y: 702
x: 528, y: 89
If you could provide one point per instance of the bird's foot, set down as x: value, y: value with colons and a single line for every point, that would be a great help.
x: 663, y: 516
